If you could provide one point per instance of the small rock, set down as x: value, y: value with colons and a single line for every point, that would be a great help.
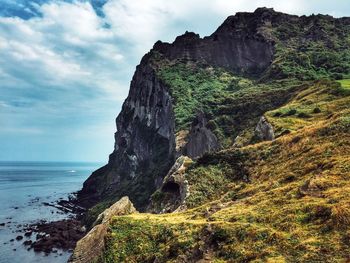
x: 27, y: 242
x: 28, y: 234
x: 19, y: 238
x: 264, y: 130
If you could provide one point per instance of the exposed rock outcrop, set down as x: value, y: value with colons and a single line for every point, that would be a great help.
x: 144, y: 143
x: 174, y: 190
x: 145, y: 146
x: 235, y: 45
x: 264, y: 130
x: 200, y: 139
x: 90, y: 247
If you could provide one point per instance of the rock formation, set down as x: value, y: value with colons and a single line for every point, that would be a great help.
x: 186, y: 140
x: 244, y: 45
x: 174, y: 189
x: 90, y: 247
x: 145, y: 139
x: 144, y: 143
x: 236, y: 45
x: 200, y: 139
x: 264, y: 130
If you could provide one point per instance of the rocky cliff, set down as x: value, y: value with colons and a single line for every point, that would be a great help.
x: 198, y: 95
x: 144, y: 143
x: 236, y: 144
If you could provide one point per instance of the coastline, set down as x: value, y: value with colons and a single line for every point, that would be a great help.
x: 36, y: 200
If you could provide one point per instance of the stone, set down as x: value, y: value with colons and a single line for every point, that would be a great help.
x: 27, y: 242
x: 200, y: 139
x: 90, y: 247
x: 28, y: 234
x: 174, y: 189
x: 122, y: 207
x: 264, y: 130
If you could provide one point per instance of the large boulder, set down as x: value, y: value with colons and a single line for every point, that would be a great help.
x: 174, y: 190
x: 200, y: 139
x: 91, y: 246
x: 264, y: 130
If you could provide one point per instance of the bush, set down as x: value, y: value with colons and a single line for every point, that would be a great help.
x: 316, y: 110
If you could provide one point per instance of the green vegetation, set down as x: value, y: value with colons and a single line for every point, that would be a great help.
x: 94, y: 211
x: 285, y: 200
x: 143, y: 238
x: 281, y: 201
x: 231, y: 104
x: 311, y: 49
x: 345, y: 83
x: 195, y: 88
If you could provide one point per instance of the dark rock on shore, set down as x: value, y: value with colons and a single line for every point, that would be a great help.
x: 27, y: 242
x: 28, y: 234
x: 61, y: 234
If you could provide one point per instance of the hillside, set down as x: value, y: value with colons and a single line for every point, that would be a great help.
x: 236, y: 146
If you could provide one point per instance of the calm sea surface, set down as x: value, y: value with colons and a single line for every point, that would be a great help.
x: 24, y: 186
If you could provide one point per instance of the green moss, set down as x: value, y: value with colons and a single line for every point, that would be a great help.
x: 231, y: 104
x: 134, y: 240
x: 195, y: 88
x: 326, y: 56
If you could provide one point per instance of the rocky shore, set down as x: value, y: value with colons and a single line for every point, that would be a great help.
x: 51, y: 236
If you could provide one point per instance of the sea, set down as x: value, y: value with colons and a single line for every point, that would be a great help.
x: 24, y: 188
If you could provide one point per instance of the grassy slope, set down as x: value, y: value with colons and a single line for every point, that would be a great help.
x: 294, y: 208
x: 311, y: 48
x: 232, y: 104
x: 281, y: 201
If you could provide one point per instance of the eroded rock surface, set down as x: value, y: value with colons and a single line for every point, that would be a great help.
x: 200, y: 139
x: 145, y: 147
x: 264, y: 130
x: 236, y: 45
x: 144, y: 144
x: 174, y: 190
x: 90, y: 247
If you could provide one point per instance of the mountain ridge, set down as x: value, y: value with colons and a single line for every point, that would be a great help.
x: 203, y: 115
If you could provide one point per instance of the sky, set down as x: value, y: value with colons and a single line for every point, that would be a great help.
x: 66, y: 66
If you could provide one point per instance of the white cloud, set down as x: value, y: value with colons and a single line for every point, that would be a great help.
x: 70, y: 69
x: 62, y: 48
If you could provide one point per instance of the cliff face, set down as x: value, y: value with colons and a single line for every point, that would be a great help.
x: 145, y: 139
x: 144, y: 143
x: 245, y: 135
x: 206, y: 90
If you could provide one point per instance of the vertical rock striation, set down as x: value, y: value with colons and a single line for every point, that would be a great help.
x: 237, y: 45
x: 144, y: 143
x: 145, y: 139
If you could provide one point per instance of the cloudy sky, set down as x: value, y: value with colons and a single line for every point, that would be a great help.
x: 65, y: 66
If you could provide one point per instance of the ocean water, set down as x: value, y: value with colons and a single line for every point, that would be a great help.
x: 24, y: 186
